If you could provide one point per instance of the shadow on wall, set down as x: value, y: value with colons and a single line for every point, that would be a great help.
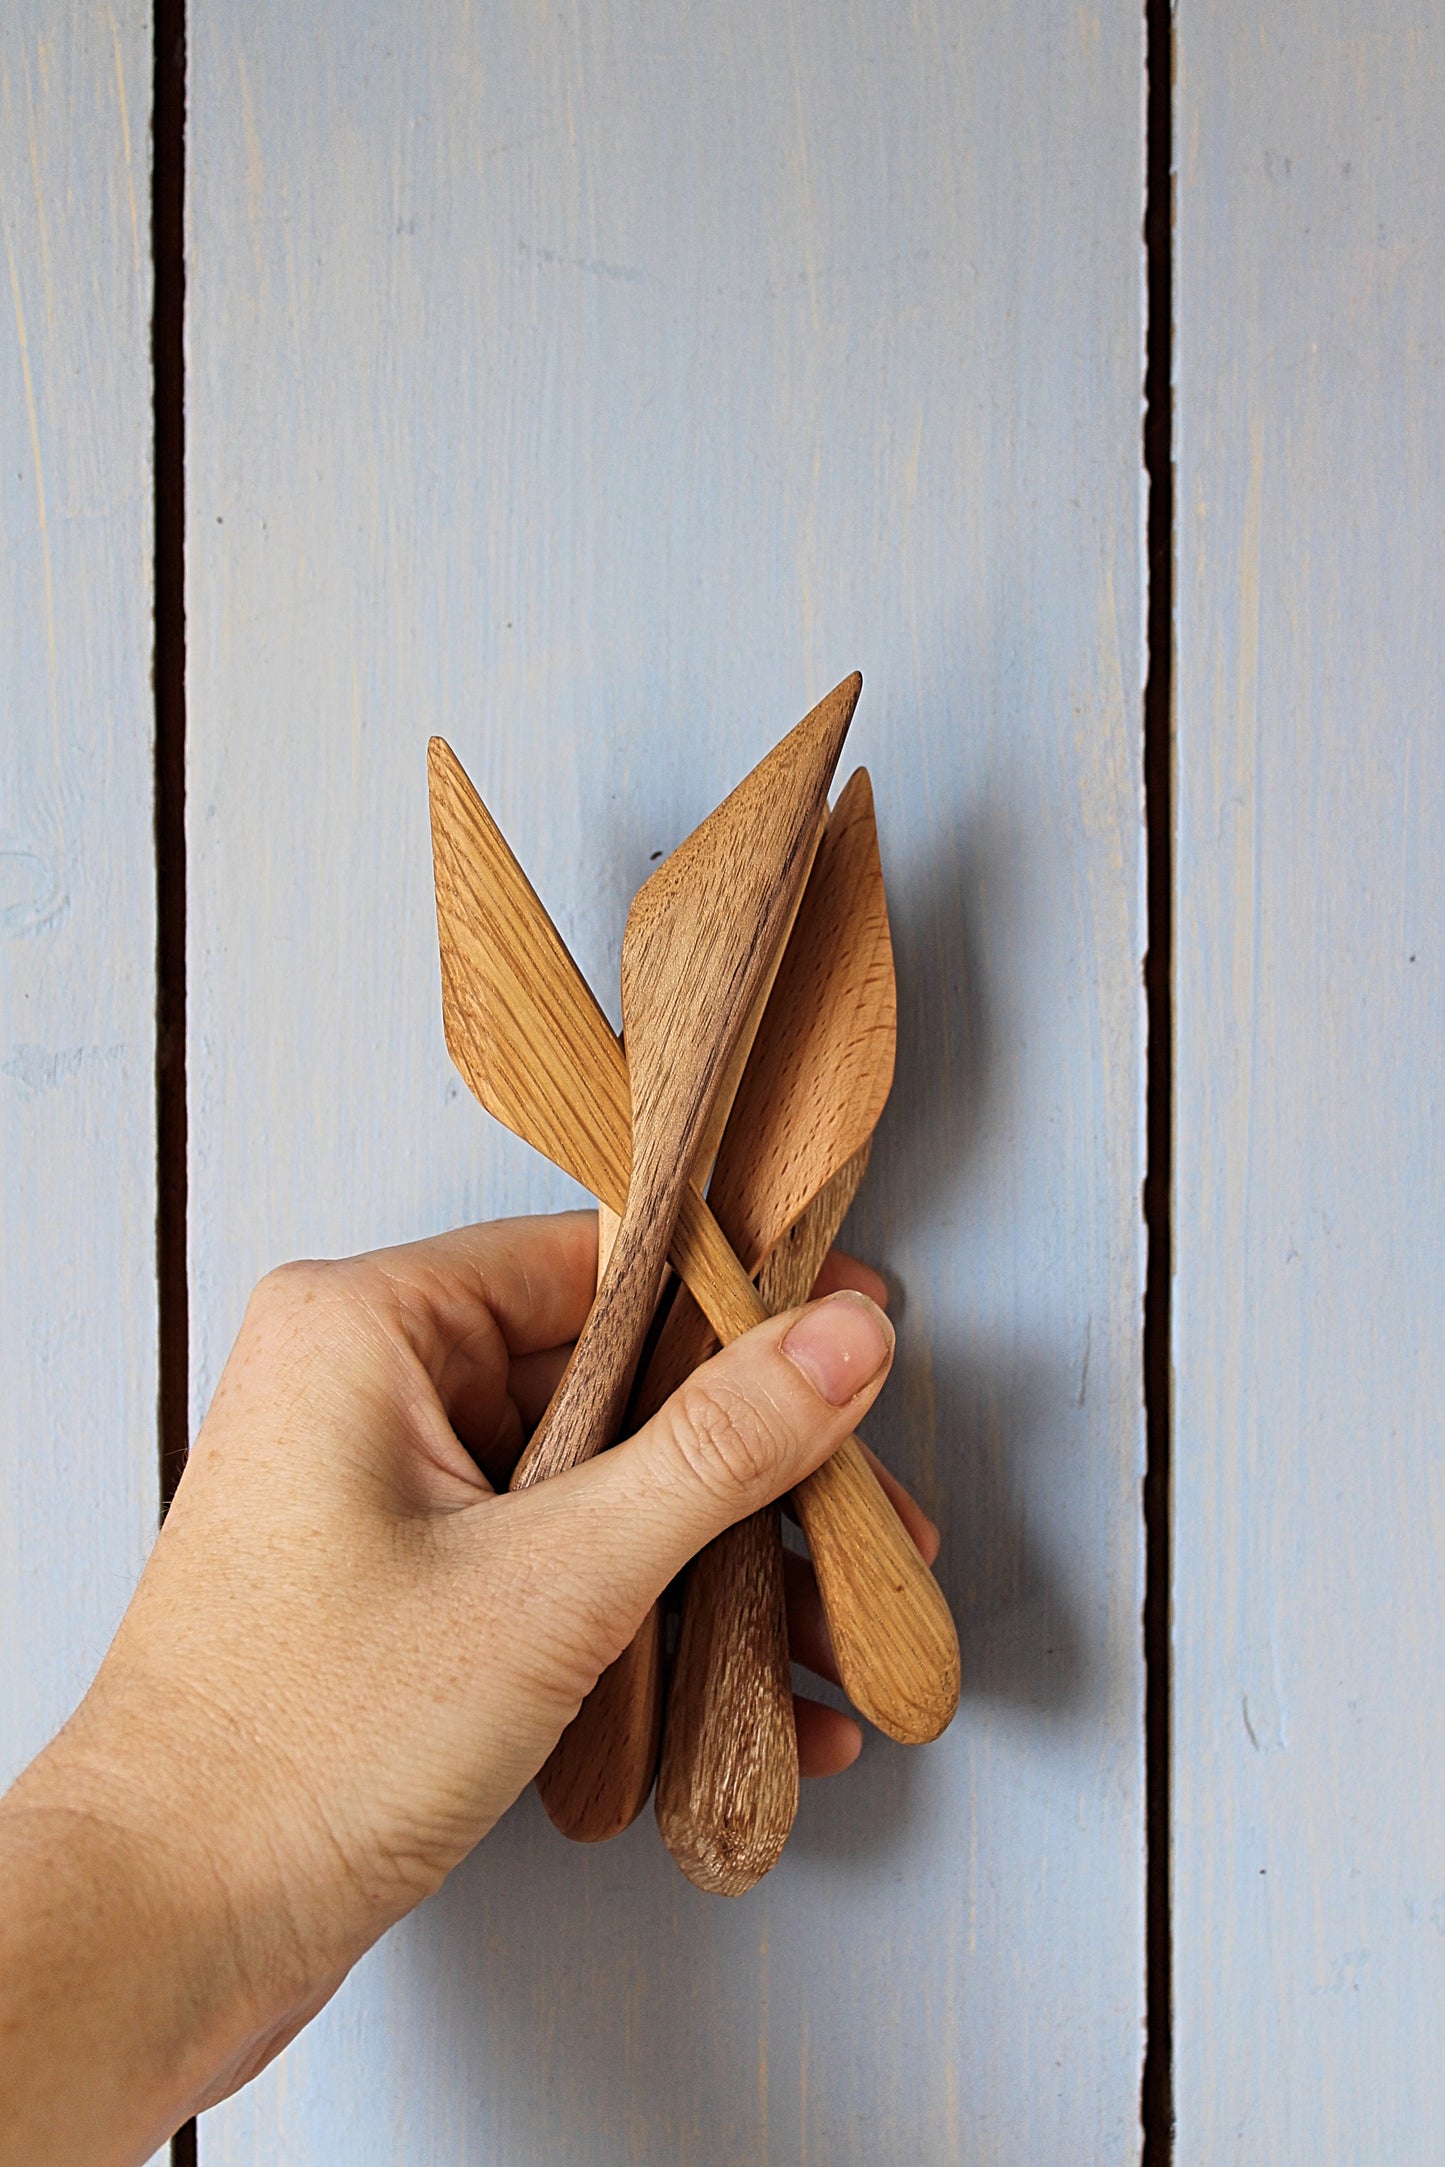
x: 600, y: 1972
x: 966, y: 1419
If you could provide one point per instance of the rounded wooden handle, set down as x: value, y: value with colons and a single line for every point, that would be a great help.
x: 891, y: 1627
x: 893, y: 1633
x: 597, y: 1778
x: 727, y: 1788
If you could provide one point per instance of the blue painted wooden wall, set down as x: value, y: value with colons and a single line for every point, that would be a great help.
x: 1309, y: 1857
x: 597, y: 386
x: 78, y: 1479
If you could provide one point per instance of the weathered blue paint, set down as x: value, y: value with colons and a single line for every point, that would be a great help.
x: 1309, y: 1726
x: 598, y: 387
x: 79, y: 1472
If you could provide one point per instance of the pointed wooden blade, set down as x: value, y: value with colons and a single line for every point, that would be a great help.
x: 818, y: 1077
x: 822, y: 1063
x: 521, y: 1021
x: 703, y: 931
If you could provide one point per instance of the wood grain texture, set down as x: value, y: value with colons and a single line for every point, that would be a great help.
x: 550, y: 370
x: 815, y: 1082
x: 79, y: 1465
x: 727, y: 1782
x: 593, y: 1794
x: 593, y: 1797
x: 1309, y: 1472
x: 510, y: 986
x: 796, y: 1260
x: 521, y: 1021
x: 702, y: 941
x: 727, y: 1785
x: 810, y: 1099
x: 892, y: 1630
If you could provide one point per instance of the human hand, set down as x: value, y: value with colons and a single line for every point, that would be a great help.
x: 350, y: 1652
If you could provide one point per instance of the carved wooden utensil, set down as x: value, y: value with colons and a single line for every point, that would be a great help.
x: 819, y: 1075
x: 700, y: 941
x: 530, y: 1040
x: 597, y: 1778
x: 815, y: 1083
x: 727, y: 1789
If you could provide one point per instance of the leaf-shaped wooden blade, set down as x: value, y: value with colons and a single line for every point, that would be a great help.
x: 819, y: 1075
x: 703, y: 932
x: 827, y: 1044
x: 521, y: 1022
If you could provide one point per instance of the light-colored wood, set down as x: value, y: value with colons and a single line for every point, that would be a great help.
x: 506, y: 971
x: 727, y: 1781
x: 702, y: 938
x: 1308, y: 1850
x: 521, y: 1021
x: 608, y: 1221
x: 500, y: 1028
x: 893, y: 1633
x: 593, y: 387
x: 727, y: 1785
x: 79, y: 1464
x: 795, y: 1262
x: 815, y: 1083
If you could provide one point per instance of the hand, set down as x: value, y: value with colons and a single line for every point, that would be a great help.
x: 349, y: 1653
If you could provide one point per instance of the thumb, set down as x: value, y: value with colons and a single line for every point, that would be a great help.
x: 743, y: 1429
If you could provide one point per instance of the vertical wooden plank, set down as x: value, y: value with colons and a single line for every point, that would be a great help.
x: 79, y: 1503
x: 598, y: 386
x: 1309, y: 1857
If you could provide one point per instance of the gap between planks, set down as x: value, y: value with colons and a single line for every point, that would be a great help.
x: 1157, y: 2087
x: 168, y: 672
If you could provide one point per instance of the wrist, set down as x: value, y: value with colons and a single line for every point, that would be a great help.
x: 141, y: 1974
x: 102, y: 2029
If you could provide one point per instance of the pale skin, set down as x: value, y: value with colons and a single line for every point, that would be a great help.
x: 352, y: 1649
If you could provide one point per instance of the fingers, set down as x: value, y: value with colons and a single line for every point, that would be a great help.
x: 492, y: 1311
x: 809, y: 1641
x: 534, y: 1379
x: 828, y: 1742
x: 763, y: 1413
x: 841, y: 1270
x: 476, y: 1307
x: 497, y: 1443
x: 533, y: 1278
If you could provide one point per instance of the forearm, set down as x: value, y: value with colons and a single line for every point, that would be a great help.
x: 120, y: 1996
